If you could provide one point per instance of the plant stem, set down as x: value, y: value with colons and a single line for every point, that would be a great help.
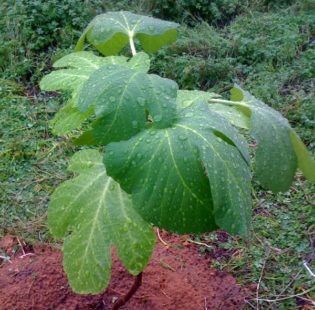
x: 228, y: 102
x: 132, y: 44
x: 123, y: 300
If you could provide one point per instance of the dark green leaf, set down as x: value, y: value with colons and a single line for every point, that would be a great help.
x: 80, y: 67
x: 121, y: 97
x: 192, y: 177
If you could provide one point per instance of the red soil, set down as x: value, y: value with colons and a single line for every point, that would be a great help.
x: 177, y: 277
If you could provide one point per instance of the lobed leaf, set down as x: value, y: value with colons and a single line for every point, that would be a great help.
x: 92, y: 212
x: 275, y: 160
x: 110, y: 32
x: 79, y: 67
x: 191, y: 177
x: 121, y: 98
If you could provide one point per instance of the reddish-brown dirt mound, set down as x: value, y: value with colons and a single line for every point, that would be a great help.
x: 178, y: 277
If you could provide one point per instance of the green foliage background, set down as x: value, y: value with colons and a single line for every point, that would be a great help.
x: 266, y: 46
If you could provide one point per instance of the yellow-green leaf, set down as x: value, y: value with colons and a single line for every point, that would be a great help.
x: 305, y: 162
x: 93, y: 213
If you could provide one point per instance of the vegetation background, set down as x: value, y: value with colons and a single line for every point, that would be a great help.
x: 266, y: 46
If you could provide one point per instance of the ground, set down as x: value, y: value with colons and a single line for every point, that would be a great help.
x: 177, y: 277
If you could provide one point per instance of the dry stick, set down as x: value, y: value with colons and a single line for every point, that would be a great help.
x: 160, y: 238
x: 199, y: 243
x: 206, y: 308
x: 260, y: 278
x: 123, y: 300
x: 308, y: 269
x: 248, y: 303
x: 22, y: 248
x: 288, y: 297
x: 294, y: 278
x: 308, y: 300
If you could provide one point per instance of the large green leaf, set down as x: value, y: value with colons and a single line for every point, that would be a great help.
x: 191, y: 177
x: 92, y: 212
x: 110, y: 32
x: 275, y: 159
x: 121, y: 97
x: 79, y: 67
x: 235, y: 114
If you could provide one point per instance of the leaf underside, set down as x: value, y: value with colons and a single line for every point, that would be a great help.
x: 93, y: 213
x: 110, y: 32
x: 182, y: 178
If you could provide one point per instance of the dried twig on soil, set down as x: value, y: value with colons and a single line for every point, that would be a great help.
x: 206, y: 308
x: 289, y: 284
x: 288, y: 297
x: 308, y: 269
x: 22, y: 248
x: 160, y: 238
x: 199, y: 243
x: 260, y: 278
x: 166, y: 266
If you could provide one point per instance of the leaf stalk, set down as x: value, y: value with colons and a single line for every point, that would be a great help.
x: 228, y: 102
x: 132, y: 44
x: 123, y: 300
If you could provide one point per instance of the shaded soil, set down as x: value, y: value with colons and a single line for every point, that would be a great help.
x: 178, y: 277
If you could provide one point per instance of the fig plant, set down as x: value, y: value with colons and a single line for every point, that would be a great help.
x: 176, y: 159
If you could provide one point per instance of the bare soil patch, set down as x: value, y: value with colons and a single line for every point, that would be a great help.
x: 177, y: 277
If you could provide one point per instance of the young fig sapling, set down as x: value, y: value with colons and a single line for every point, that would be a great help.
x: 173, y: 158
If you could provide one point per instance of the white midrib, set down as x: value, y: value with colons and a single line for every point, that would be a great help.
x: 94, y: 221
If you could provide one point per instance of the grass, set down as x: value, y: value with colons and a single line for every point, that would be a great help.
x: 270, y: 52
x: 32, y: 162
x: 282, y: 239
